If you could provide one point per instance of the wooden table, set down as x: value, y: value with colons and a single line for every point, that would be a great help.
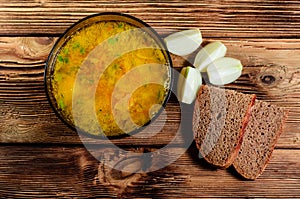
x: 40, y: 157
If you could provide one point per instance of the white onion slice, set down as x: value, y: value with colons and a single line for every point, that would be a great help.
x: 208, y: 54
x: 184, y: 42
x: 189, y: 82
x: 224, y: 70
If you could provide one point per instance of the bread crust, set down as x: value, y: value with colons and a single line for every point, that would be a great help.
x: 242, y: 132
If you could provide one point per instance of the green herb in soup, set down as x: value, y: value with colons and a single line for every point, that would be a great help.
x: 122, y: 68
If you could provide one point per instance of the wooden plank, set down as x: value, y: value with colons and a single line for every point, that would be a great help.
x: 26, y: 116
x: 226, y: 18
x: 45, y: 171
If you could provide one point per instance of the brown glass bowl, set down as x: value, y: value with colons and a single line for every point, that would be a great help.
x: 53, y: 58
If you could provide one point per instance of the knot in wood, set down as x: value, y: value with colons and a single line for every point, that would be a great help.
x: 268, y: 79
x: 270, y: 76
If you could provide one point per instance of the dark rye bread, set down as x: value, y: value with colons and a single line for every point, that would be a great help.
x: 220, y: 117
x: 261, y: 134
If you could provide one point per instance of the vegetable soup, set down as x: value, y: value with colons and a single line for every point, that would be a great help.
x: 110, y: 78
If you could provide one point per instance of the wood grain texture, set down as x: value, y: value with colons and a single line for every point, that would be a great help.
x: 226, y: 18
x: 71, y: 172
x: 26, y: 115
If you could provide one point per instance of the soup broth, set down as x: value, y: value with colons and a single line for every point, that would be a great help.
x: 123, y: 69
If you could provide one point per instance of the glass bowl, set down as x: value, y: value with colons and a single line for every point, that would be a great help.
x: 109, y: 74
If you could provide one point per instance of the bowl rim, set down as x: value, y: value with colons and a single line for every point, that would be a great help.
x: 53, y: 53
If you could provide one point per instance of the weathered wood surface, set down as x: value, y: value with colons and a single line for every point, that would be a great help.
x: 72, y: 172
x: 229, y: 18
x: 40, y: 157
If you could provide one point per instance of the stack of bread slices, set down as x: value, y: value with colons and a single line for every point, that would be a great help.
x: 232, y: 128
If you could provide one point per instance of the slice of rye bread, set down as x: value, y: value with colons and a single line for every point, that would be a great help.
x: 219, y: 120
x: 261, y: 134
